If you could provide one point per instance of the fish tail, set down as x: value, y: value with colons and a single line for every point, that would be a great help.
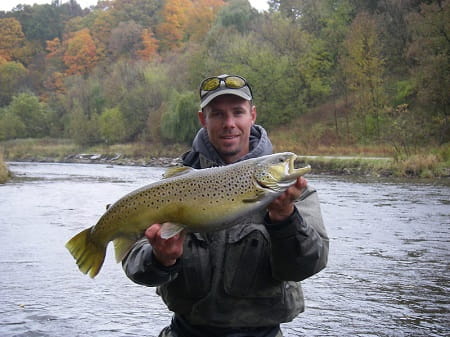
x: 88, y: 253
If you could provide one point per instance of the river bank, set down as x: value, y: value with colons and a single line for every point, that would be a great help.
x: 430, y: 164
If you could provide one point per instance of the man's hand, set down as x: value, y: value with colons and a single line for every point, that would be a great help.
x: 283, y: 206
x: 165, y: 251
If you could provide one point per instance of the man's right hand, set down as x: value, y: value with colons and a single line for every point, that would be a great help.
x: 166, y: 251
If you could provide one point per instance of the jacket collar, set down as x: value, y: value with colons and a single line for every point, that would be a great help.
x: 203, y: 154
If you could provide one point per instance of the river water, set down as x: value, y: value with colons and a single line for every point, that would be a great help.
x: 388, y: 271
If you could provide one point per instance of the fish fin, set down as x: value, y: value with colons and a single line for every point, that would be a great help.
x: 177, y: 171
x: 170, y: 229
x: 122, y: 246
x: 88, y: 253
x: 258, y: 196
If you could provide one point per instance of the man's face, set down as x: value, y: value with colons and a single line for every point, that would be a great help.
x: 228, y: 120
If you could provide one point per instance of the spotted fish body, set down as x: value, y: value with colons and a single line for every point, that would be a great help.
x: 196, y: 200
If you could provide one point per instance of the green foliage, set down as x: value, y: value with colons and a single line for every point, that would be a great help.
x: 112, y: 126
x: 84, y: 129
x: 4, y: 171
x: 363, y: 67
x: 12, y: 81
x: 11, y: 126
x: 25, y: 117
x: 135, y: 111
x: 45, y: 22
x: 180, y: 123
x: 403, y: 91
x: 430, y: 51
x: 238, y: 14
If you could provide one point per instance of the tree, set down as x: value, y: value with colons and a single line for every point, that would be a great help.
x: 112, y: 126
x: 171, y: 30
x: 11, y: 126
x: 429, y: 51
x: 45, y: 22
x: 180, y: 123
x: 80, y: 53
x: 238, y: 14
x: 362, y: 65
x: 12, y: 38
x: 125, y: 40
x: 83, y: 128
x: 149, y: 45
x: 32, y: 113
x: 12, y: 80
x: 200, y: 18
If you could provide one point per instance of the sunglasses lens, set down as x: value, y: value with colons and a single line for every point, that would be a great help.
x: 234, y: 82
x: 210, y: 84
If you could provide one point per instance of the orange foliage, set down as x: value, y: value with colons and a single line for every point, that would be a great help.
x: 55, y: 82
x: 80, y: 52
x: 201, y: 17
x: 150, y: 45
x: 174, y: 15
x: 53, y: 47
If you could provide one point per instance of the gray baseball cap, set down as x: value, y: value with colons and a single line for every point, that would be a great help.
x: 224, y: 84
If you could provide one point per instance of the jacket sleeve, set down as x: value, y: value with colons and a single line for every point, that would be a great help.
x: 299, y: 245
x: 141, y: 266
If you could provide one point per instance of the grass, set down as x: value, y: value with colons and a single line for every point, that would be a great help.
x: 49, y: 149
x: 4, y: 172
x: 375, y: 160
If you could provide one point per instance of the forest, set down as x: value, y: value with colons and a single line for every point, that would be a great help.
x: 365, y: 72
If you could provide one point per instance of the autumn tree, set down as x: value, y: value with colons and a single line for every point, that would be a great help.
x: 200, y: 18
x: 80, y: 53
x: 149, y: 47
x: 171, y: 31
x: 12, y: 38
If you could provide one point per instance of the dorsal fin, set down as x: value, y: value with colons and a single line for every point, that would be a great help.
x: 177, y: 171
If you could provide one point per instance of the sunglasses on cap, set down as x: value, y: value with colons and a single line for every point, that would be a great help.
x: 230, y: 81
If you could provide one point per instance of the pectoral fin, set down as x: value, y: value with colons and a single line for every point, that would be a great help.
x: 169, y: 230
x: 259, y: 195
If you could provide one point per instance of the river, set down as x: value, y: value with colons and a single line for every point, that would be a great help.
x: 388, y: 272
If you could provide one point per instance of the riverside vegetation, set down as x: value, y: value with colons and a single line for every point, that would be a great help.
x: 350, y: 160
x: 4, y: 172
x: 364, y: 78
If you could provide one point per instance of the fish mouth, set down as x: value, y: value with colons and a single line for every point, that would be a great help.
x: 296, y: 168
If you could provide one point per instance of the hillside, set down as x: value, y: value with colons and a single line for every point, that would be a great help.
x: 127, y: 72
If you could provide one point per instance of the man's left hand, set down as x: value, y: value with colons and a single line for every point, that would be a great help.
x: 283, y: 206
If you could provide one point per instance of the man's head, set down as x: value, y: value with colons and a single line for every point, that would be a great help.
x: 227, y: 114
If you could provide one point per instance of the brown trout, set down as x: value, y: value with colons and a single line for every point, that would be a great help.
x: 196, y: 200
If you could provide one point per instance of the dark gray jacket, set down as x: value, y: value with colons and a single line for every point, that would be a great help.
x: 244, y: 276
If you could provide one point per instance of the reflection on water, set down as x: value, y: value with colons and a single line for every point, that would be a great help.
x: 388, y: 272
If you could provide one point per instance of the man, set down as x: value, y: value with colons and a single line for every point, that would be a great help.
x: 242, y: 281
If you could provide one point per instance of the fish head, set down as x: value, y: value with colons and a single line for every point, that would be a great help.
x: 278, y: 171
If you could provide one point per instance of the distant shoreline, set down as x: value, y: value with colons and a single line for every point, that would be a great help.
x: 334, y: 165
